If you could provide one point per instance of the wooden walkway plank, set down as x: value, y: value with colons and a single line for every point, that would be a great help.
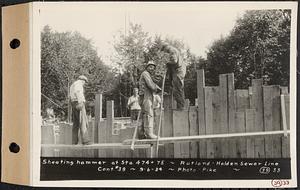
x: 201, y: 110
x: 256, y: 103
x: 194, y: 130
x: 205, y: 137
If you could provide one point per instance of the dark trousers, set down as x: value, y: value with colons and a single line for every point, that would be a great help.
x: 134, y: 114
x: 78, y: 125
x: 178, y: 91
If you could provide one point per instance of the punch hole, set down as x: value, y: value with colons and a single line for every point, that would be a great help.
x: 14, y: 147
x: 15, y: 43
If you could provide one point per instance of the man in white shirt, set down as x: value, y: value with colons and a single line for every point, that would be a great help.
x: 79, y: 117
x: 134, y: 104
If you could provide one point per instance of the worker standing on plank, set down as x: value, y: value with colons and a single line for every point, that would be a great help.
x: 176, y: 70
x: 134, y: 105
x: 79, y: 117
x: 147, y: 90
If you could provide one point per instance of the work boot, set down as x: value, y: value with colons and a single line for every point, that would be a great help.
x: 149, y: 133
x: 141, y: 133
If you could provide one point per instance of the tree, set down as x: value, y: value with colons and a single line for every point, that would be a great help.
x: 65, y: 56
x: 257, y: 47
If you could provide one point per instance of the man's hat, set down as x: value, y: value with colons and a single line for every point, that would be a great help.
x: 82, y: 77
x: 150, y: 63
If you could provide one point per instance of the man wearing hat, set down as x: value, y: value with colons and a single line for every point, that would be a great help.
x: 79, y: 117
x: 147, y: 90
x: 176, y: 70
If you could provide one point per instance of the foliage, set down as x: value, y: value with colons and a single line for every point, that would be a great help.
x: 257, y: 47
x: 65, y: 56
x: 134, y: 50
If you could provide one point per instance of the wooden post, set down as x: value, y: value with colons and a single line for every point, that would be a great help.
x: 98, y: 118
x: 201, y: 110
x: 109, y: 124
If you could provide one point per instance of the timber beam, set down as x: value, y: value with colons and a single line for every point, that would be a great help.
x: 203, y: 137
x: 96, y: 146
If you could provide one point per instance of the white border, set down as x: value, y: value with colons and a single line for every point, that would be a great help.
x: 36, y: 132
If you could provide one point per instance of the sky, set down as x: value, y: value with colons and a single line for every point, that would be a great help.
x: 196, y: 24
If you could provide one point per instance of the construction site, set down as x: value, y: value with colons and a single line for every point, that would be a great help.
x: 224, y: 123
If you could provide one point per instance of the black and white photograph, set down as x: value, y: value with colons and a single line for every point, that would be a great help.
x: 190, y: 93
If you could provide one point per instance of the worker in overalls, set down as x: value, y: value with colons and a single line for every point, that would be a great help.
x: 147, y: 90
x: 176, y: 70
x: 79, y: 117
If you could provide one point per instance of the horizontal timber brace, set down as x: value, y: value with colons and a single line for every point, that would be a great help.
x: 203, y: 137
x: 95, y: 146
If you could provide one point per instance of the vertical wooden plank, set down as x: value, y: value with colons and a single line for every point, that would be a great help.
x: 167, y: 127
x: 102, y: 137
x: 47, y: 138
x: 216, y: 123
x: 98, y: 117
x: 181, y: 128
x: 186, y: 104
x: 267, y: 91
x: 272, y: 120
x: 91, y: 130
x: 276, y: 121
x: 201, y: 110
x: 223, y: 91
x: 126, y: 133
x: 242, y: 100
x: 231, y: 110
x: 109, y: 125
x: 209, y: 121
x: 286, y: 140
x: 67, y: 130
x: 250, y: 127
x: 256, y: 103
x: 284, y: 90
x: 241, y: 144
x: 194, y: 130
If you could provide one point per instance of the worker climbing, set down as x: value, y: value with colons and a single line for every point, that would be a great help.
x: 176, y: 70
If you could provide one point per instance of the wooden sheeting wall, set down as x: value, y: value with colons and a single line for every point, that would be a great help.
x: 219, y: 110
